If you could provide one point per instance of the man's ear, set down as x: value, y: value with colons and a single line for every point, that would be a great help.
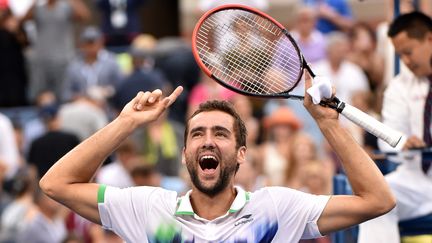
x: 241, y: 155
x: 183, y: 156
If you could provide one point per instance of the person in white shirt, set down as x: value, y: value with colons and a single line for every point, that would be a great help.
x: 346, y: 76
x: 118, y: 172
x: 9, y: 156
x: 214, y: 210
x: 404, y: 109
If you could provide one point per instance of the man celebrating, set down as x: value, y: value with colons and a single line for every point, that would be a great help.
x: 214, y: 210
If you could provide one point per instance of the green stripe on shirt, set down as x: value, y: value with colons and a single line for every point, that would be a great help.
x: 101, y: 193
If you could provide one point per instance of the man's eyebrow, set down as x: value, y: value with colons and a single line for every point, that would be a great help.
x: 221, y: 128
x: 196, y: 129
x: 215, y: 128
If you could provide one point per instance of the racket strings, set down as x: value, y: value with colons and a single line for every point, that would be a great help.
x: 270, y: 44
x: 265, y: 61
x: 236, y: 70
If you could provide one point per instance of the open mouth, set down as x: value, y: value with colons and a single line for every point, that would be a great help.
x: 208, y: 163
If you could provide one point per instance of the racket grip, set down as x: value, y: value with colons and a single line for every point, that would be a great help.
x: 370, y: 124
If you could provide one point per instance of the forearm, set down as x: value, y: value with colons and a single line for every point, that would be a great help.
x: 365, y: 178
x: 68, y: 180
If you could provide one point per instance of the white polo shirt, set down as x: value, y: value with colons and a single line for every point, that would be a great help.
x: 151, y: 214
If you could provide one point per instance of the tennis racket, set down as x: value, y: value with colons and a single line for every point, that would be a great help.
x: 249, y: 52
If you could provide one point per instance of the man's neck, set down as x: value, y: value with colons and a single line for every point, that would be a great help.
x: 212, y: 207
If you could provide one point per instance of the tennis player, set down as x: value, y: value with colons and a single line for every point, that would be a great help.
x: 214, y: 210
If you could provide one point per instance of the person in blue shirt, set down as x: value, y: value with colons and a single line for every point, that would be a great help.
x: 333, y: 15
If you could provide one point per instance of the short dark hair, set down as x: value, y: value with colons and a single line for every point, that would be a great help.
x: 224, y: 106
x: 416, y: 24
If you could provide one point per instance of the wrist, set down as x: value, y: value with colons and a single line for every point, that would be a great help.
x: 325, y: 124
x: 126, y: 123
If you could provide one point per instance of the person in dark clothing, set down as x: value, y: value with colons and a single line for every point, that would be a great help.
x: 174, y: 57
x: 48, y: 148
x: 13, y: 73
x: 120, y: 20
x: 143, y: 77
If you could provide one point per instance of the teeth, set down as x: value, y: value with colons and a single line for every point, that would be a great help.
x: 208, y: 157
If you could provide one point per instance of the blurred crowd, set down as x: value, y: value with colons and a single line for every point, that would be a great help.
x: 59, y: 84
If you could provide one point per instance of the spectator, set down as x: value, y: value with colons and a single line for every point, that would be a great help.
x: 95, y: 71
x: 13, y: 72
x: 249, y: 177
x: 174, y: 57
x: 160, y: 144
x: 82, y: 116
x: 83, y: 230
x: 146, y: 175
x: 17, y: 214
x: 144, y: 76
x: 52, y: 145
x: 310, y: 40
x: 339, y: 69
x: 207, y: 89
x: 407, y: 108
x: 35, y: 127
x: 280, y: 127
x: 120, y: 20
x: 364, y: 54
x: 302, y: 151
x: 118, y: 172
x: 9, y: 155
x: 315, y: 180
x: 54, y: 46
x: 47, y: 224
x: 334, y: 15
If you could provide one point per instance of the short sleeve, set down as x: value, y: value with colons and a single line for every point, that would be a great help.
x: 298, y: 210
x: 311, y: 229
x: 126, y: 211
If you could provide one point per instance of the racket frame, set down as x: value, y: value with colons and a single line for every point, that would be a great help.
x: 281, y: 95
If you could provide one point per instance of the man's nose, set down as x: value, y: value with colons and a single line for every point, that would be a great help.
x: 209, y: 141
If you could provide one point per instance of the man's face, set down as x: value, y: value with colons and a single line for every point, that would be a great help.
x: 210, y: 152
x: 91, y: 48
x: 416, y: 54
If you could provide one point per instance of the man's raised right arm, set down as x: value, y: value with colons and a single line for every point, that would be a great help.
x: 68, y: 180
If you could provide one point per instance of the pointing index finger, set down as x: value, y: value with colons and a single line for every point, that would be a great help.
x: 173, y: 96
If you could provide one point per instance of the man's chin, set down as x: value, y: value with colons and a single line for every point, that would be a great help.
x: 211, y: 192
x: 210, y: 188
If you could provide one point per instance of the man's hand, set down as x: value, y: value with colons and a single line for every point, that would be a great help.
x: 148, y: 106
x: 318, y: 112
x: 413, y: 142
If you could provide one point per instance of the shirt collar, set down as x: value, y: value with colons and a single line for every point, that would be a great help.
x: 184, y: 206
